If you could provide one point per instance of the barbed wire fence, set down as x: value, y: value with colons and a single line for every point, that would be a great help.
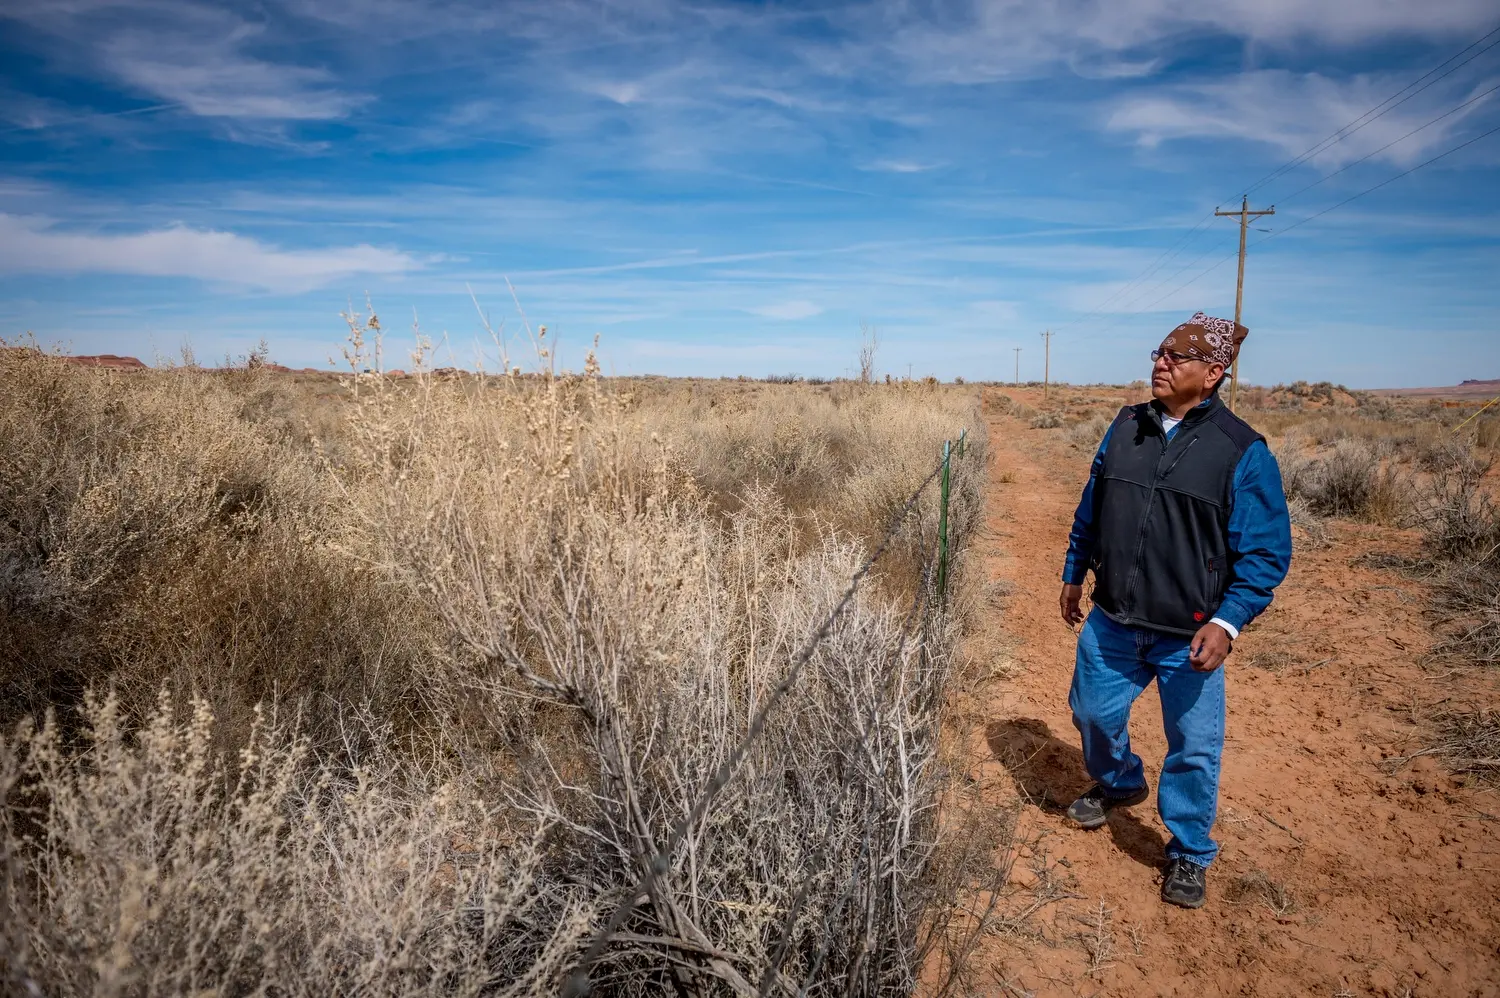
x: 929, y: 597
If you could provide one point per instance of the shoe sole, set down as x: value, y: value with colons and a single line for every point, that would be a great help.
x: 1139, y: 797
x: 1183, y: 903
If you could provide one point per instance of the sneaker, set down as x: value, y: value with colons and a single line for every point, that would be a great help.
x: 1184, y: 883
x: 1092, y: 809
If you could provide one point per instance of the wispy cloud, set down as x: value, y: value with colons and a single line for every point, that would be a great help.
x: 1290, y: 111
x: 974, y: 41
x: 29, y: 245
x: 787, y: 310
x: 709, y: 171
x: 901, y: 166
x: 200, y: 57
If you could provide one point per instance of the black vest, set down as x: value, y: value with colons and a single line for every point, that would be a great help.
x: 1161, y: 511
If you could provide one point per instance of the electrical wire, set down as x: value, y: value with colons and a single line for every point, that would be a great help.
x: 1383, y: 183
x: 1392, y: 102
x: 1381, y: 109
x: 1129, y: 286
x: 1383, y: 148
x: 1281, y: 232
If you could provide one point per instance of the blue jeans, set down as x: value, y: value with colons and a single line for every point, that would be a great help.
x: 1115, y: 665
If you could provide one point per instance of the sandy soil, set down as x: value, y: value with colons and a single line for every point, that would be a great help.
x: 1343, y: 871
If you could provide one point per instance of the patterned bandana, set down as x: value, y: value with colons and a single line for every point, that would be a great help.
x: 1204, y: 337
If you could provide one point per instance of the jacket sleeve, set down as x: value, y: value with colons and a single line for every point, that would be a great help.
x: 1082, y: 538
x: 1260, y: 538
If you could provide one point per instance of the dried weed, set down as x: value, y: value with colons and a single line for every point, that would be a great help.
x: 445, y: 659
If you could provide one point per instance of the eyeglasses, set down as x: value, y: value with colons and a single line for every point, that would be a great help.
x: 1173, y: 358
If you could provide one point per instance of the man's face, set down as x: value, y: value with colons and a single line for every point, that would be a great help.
x: 1177, y: 377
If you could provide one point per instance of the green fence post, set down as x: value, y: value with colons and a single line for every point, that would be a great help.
x: 962, y: 436
x: 942, y: 579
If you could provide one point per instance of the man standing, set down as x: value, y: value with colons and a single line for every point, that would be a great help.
x: 1184, y: 524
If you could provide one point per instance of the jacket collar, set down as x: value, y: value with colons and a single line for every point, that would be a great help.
x: 1195, y: 415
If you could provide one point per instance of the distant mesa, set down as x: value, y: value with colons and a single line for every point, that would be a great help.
x: 109, y: 360
x: 106, y: 360
x: 1472, y: 389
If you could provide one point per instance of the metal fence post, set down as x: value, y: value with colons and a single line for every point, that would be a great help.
x: 942, y: 579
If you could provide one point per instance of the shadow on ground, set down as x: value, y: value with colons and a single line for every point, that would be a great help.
x: 1049, y: 772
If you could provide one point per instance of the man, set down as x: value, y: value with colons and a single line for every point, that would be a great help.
x: 1184, y: 524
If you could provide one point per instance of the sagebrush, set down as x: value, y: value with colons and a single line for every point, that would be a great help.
x: 394, y: 686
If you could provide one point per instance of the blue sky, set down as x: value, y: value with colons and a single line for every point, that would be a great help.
x: 724, y: 188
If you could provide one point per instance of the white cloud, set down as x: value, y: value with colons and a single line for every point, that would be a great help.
x: 232, y: 87
x: 30, y: 245
x: 901, y: 166
x: 1290, y: 111
x: 789, y: 310
x: 621, y: 93
x: 983, y: 40
x: 195, y: 55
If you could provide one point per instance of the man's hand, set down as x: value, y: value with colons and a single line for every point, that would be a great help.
x: 1072, y: 595
x: 1210, y: 647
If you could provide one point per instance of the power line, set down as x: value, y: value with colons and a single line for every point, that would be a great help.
x: 1381, y: 109
x: 1168, y: 253
x: 1281, y: 232
x: 1172, y: 276
x: 1392, y: 102
x: 1383, y: 148
x: 1389, y: 180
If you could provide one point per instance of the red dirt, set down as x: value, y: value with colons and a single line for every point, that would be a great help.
x: 1391, y: 872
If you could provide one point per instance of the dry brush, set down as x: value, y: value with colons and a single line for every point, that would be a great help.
x: 397, y: 690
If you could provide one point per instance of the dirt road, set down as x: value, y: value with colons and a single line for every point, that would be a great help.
x: 1343, y: 872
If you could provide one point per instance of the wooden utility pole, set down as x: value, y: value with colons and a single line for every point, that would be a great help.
x: 1018, y: 365
x: 1245, y: 215
x: 1047, y: 363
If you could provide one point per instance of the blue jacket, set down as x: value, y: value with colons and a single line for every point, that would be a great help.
x: 1260, y: 535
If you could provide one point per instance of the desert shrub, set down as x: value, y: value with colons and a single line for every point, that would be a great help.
x: 1088, y: 433
x: 1461, y: 534
x: 1466, y: 594
x: 1308, y: 528
x: 155, y: 866
x: 154, y: 533
x: 1048, y: 420
x: 1256, y: 397
x: 1470, y: 741
x: 480, y: 668
x: 1351, y: 482
x: 1460, y: 520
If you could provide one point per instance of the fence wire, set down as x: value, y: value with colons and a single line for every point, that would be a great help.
x: 578, y: 984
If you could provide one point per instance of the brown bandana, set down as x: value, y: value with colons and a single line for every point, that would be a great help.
x: 1204, y: 337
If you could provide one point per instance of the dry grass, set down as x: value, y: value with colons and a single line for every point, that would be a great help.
x: 1351, y: 481
x: 1397, y: 462
x: 1461, y: 534
x: 1259, y: 887
x: 1470, y: 741
x: 1088, y: 433
x: 444, y: 662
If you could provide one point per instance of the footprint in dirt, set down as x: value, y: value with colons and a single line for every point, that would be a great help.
x: 1049, y: 773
